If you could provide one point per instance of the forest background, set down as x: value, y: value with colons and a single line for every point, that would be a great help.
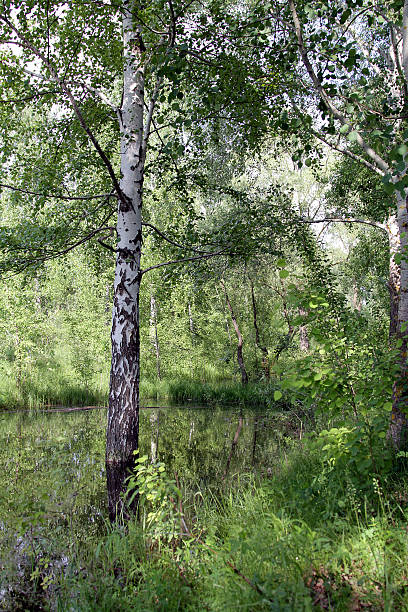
x: 270, y: 155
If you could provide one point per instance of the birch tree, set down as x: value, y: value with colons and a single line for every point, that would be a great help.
x: 114, y: 85
x: 346, y: 87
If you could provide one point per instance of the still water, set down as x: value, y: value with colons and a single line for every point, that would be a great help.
x: 53, y: 506
x: 54, y: 461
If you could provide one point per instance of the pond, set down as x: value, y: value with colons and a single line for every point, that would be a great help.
x: 53, y: 496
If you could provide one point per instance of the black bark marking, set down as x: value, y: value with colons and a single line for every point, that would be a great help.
x: 125, y: 204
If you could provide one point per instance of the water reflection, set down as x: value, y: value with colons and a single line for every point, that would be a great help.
x: 53, y: 473
x: 154, y: 436
x: 209, y: 446
x: 53, y: 458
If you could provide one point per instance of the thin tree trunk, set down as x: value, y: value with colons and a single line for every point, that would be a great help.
x: 108, y: 305
x: 356, y: 298
x: 192, y: 332
x: 394, y: 279
x: 190, y: 436
x: 153, y: 333
x: 123, y: 413
x: 398, y: 429
x: 262, y: 348
x: 254, y: 439
x: 304, y: 343
x: 399, y: 424
x: 190, y: 318
x: 285, y: 340
x: 37, y: 293
x: 240, y: 357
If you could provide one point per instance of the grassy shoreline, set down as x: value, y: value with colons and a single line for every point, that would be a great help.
x: 255, y: 394
x: 311, y: 532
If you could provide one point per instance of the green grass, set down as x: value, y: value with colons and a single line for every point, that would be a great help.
x: 315, y: 532
x: 220, y: 393
x: 41, y: 387
x: 306, y: 536
x: 260, y: 545
x: 268, y: 545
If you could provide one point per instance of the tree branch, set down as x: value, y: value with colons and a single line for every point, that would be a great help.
x: 382, y: 165
x: 107, y: 246
x: 98, y: 93
x: 176, y: 261
x: 150, y: 111
x: 346, y: 220
x: 47, y: 256
x: 349, y: 153
x: 177, y: 244
x: 55, y: 77
x: 28, y: 98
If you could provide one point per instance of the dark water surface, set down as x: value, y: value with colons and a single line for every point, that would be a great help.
x: 53, y: 505
x: 56, y: 459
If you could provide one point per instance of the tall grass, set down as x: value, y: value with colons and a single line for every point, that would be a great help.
x: 305, y: 536
x: 258, y: 546
x: 41, y: 386
x: 225, y: 393
x: 45, y: 388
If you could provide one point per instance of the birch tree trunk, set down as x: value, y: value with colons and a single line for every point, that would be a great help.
x: 399, y: 423
x: 191, y: 322
x: 154, y: 435
x: 123, y: 413
x: 394, y: 279
x: 108, y: 305
x: 398, y: 430
x: 304, y: 343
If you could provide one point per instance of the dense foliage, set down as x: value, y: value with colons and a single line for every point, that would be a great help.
x: 255, y: 158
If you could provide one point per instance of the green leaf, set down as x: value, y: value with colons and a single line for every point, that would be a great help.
x: 389, y: 189
x: 277, y: 395
x: 283, y: 273
x: 352, y: 136
x: 345, y: 15
x: 142, y: 459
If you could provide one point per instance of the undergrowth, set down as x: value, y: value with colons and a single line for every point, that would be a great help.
x: 261, y: 545
x: 320, y: 524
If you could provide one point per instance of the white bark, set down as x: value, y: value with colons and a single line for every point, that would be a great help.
x: 123, y: 415
x: 405, y: 40
x: 402, y: 219
x: 190, y: 318
x: 154, y: 435
x: 394, y: 278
